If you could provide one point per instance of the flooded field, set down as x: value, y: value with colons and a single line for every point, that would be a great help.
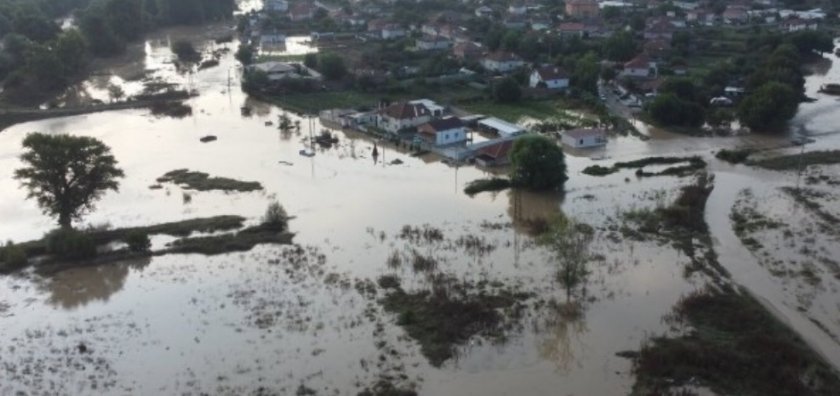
x: 309, y: 317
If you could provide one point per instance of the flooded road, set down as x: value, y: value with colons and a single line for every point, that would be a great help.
x: 280, y: 318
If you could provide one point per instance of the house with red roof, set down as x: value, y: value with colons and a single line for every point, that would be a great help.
x: 495, y: 154
x: 502, y: 62
x: 403, y: 115
x: 640, y: 67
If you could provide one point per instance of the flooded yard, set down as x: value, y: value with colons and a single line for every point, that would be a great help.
x: 309, y: 317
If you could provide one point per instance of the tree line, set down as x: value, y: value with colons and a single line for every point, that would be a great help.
x: 39, y: 56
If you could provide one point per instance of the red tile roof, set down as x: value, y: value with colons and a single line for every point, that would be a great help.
x: 498, y: 150
x: 405, y: 111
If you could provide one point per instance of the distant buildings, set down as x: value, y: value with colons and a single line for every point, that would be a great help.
x: 582, y: 8
x: 502, y: 62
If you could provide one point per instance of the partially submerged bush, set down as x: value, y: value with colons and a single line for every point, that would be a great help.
x: 12, y: 257
x: 735, y: 156
x: 138, y: 242
x: 275, y: 217
x: 481, y: 185
x: 69, y: 244
x: 185, y: 51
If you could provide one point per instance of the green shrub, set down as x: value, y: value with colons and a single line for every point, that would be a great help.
x: 69, y: 244
x: 275, y: 217
x: 481, y: 185
x: 138, y: 242
x: 12, y: 257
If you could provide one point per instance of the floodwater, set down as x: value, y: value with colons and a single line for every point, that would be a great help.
x: 278, y: 317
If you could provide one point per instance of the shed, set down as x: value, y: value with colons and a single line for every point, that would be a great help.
x: 500, y: 127
x: 584, y: 137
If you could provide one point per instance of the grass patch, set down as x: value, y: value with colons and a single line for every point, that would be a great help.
x: 683, y: 225
x: 746, y: 220
x: 177, y: 229
x: 795, y: 161
x: 451, y: 313
x: 735, y: 347
x: 482, y: 185
x: 241, y: 241
x: 735, y: 156
x: 513, y: 112
x: 805, y: 197
x: 203, y: 182
x: 314, y: 102
x: 598, y: 170
x: 692, y: 165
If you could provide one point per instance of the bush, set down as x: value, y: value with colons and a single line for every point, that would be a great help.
x: 481, y: 185
x: 138, y: 242
x: 275, y: 217
x: 69, y: 244
x: 185, y: 51
x: 12, y: 257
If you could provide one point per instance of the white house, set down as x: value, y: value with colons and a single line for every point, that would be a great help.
x: 798, y: 24
x: 640, y: 67
x: 403, y: 115
x: 551, y: 77
x: 584, y: 138
x: 430, y: 43
x: 502, y: 62
x: 286, y: 70
x: 444, y: 131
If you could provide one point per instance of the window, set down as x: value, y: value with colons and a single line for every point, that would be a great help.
x: 581, y: 142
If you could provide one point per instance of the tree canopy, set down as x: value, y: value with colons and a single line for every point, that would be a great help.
x: 66, y: 174
x: 769, y: 107
x: 538, y: 164
x: 507, y: 90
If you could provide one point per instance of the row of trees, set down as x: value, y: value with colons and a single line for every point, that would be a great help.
x: 110, y: 24
x: 773, y: 79
x: 38, y: 56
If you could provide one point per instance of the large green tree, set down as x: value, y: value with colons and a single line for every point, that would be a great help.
x: 538, y: 164
x: 769, y: 107
x: 67, y: 174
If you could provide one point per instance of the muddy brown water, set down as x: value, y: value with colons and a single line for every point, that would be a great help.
x: 269, y: 318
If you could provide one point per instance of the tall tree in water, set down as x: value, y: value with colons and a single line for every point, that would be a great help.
x: 66, y: 175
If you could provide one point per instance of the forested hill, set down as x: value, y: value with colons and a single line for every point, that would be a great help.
x: 37, y: 56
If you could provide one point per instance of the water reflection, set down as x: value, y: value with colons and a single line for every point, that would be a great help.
x: 563, y: 331
x: 78, y: 287
x: 531, y: 212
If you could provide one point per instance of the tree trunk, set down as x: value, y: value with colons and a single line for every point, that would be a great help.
x: 65, y: 221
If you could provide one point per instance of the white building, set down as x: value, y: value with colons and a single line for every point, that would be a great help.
x: 403, y: 115
x: 584, y: 138
x: 430, y: 43
x: 640, y: 67
x: 502, y: 62
x: 551, y: 77
x: 444, y: 131
x: 500, y: 127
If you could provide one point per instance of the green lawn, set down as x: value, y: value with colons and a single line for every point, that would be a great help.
x: 317, y: 101
x: 513, y: 112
